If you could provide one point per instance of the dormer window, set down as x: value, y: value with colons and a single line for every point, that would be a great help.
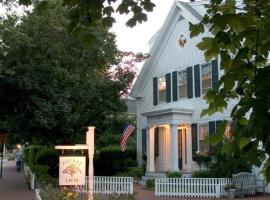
x: 162, y: 89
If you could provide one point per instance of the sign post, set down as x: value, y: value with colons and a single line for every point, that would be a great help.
x: 90, y: 135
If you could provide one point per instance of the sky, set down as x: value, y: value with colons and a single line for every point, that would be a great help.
x: 136, y: 39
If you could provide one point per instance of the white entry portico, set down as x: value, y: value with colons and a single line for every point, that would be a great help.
x: 170, y: 129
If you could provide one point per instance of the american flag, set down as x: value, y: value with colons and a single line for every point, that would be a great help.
x: 128, y: 129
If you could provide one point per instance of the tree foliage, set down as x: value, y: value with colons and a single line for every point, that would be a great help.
x: 240, y: 38
x: 51, y: 86
x: 85, y: 17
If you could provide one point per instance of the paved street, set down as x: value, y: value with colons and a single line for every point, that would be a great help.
x: 13, y: 185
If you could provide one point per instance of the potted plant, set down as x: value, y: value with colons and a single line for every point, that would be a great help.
x: 231, y: 190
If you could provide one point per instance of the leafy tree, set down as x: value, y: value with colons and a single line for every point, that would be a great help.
x: 51, y: 86
x: 240, y: 38
x: 87, y: 16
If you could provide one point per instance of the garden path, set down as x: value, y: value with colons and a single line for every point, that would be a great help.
x: 13, y: 184
x: 143, y: 194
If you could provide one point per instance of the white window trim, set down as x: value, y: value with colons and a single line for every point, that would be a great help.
x: 158, y: 89
x: 181, y: 98
x: 201, y: 77
x: 198, y: 134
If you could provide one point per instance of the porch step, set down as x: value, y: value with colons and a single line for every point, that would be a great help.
x: 155, y: 174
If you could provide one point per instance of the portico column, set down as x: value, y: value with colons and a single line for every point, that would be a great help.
x: 150, y: 149
x: 174, y: 146
x: 189, y: 148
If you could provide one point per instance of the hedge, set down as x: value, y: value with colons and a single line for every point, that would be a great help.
x: 49, y: 157
x: 110, y: 160
x: 30, y: 153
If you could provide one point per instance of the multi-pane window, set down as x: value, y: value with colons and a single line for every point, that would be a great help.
x: 182, y: 84
x: 161, y: 89
x: 206, y: 76
x: 203, y: 134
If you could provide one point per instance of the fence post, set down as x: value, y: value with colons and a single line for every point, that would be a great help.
x: 218, y: 186
x: 32, y: 181
x: 156, y: 187
x: 131, y: 186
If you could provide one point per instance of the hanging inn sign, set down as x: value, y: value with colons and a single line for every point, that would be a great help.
x: 71, y: 170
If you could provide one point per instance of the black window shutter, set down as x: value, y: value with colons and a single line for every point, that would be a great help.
x: 197, y: 78
x: 155, y: 91
x: 218, y: 123
x: 212, y: 130
x: 212, y: 127
x: 168, y: 87
x: 174, y: 86
x: 215, y: 75
x: 189, y: 83
x: 143, y: 142
x: 156, y: 141
x: 194, y: 138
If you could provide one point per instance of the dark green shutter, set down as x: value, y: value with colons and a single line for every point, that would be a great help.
x: 155, y: 91
x: 218, y: 123
x: 143, y: 142
x: 168, y: 87
x: 156, y: 141
x: 212, y: 127
x: 194, y: 138
x: 189, y: 82
x: 212, y: 130
x: 174, y: 86
x: 197, y: 78
x: 215, y: 75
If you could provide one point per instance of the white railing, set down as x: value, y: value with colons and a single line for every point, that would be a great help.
x: 37, y: 194
x: 30, y: 176
x: 109, y: 185
x: 191, y: 187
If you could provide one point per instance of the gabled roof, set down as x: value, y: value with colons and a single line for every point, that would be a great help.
x: 193, y: 11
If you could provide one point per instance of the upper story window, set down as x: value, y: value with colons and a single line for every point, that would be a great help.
x: 182, y: 84
x: 206, y: 77
x: 203, y: 134
x: 161, y: 89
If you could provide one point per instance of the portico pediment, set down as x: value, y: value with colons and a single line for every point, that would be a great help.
x: 168, y: 116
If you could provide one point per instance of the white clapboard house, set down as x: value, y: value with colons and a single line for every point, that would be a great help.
x: 169, y: 95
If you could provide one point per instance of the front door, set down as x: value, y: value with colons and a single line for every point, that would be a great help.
x: 182, y: 147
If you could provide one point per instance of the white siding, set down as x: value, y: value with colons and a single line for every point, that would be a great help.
x: 174, y: 58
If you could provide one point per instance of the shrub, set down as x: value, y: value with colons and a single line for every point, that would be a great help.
x: 226, y: 165
x: 49, y: 157
x: 30, y: 154
x: 110, y: 161
x: 135, y: 172
x: 202, y: 174
x: 150, y: 183
x: 174, y: 174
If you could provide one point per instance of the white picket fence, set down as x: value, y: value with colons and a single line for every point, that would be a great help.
x: 191, y: 187
x: 109, y: 185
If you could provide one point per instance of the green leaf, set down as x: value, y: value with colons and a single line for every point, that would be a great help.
x: 215, y: 138
x: 244, y: 142
x: 195, y: 29
x: 243, y: 121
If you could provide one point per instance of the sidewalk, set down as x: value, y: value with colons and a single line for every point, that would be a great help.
x: 13, y: 184
x: 143, y: 194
